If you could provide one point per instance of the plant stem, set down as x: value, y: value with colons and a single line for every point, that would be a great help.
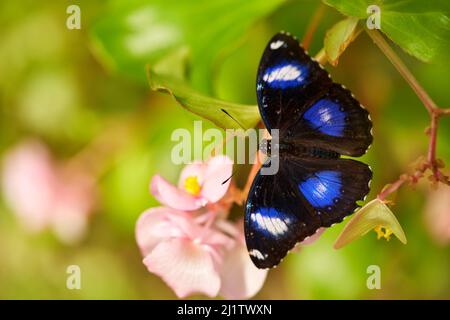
x: 443, y: 112
x: 432, y: 144
x: 391, y: 188
x: 394, y: 186
x: 403, y: 70
x: 253, y: 172
x: 312, y: 26
x: 434, y: 111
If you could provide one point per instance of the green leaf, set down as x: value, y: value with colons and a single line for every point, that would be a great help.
x: 133, y: 33
x: 420, y: 27
x: 338, y: 38
x: 206, y: 107
x: 374, y: 214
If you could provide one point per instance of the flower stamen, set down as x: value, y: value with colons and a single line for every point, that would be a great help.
x: 383, y: 232
x: 191, y: 185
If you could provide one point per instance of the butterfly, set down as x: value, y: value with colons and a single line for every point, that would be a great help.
x: 318, y: 121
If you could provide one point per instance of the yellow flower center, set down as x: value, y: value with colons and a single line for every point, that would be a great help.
x: 383, y: 232
x: 191, y: 185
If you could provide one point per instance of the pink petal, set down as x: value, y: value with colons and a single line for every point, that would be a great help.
x: 73, y: 203
x: 185, y: 266
x: 314, y: 237
x: 219, y: 170
x: 189, y: 228
x: 437, y: 214
x: 156, y: 225
x: 240, y: 278
x: 29, y: 180
x: 218, y: 239
x: 234, y: 230
x: 196, y: 169
x: 173, y: 197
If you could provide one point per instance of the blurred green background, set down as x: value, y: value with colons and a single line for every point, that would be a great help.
x: 74, y: 88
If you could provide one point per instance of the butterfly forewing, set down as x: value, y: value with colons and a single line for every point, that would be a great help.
x: 334, y: 121
x: 298, y: 97
x: 287, y: 80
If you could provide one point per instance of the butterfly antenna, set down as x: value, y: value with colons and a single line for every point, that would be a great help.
x: 240, y: 125
x: 234, y: 119
x: 228, y: 179
x: 232, y: 174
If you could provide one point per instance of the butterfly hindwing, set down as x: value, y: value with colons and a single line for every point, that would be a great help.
x: 304, y: 195
x: 274, y: 220
x: 330, y: 187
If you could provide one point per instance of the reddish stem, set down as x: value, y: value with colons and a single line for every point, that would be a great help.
x: 391, y: 188
x: 312, y: 26
x: 432, y: 144
x: 253, y: 172
x: 403, y: 70
x: 443, y: 112
x: 434, y: 111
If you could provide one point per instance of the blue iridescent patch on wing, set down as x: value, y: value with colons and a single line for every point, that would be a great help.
x: 286, y: 74
x: 327, y: 117
x: 270, y: 221
x: 322, y: 188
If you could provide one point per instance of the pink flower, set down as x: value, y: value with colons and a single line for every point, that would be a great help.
x: 28, y: 183
x: 240, y: 278
x: 42, y: 195
x: 200, y: 184
x: 437, y: 214
x: 190, y: 244
x: 196, y: 259
x: 185, y: 255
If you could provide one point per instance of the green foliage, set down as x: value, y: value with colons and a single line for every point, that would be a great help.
x: 374, y: 214
x: 209, y: 108
x: 52, y: 87
x: 338, y: 38
x: 134, y: 33
x: 421, y: 28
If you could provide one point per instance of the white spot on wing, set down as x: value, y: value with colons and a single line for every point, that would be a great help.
x: 284, y: 73
x: 277, y: 44
x: 257, y: 254
x: 273, y: 225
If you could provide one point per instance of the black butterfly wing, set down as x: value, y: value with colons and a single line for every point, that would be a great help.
x: 304, y: 195
x: 336, y: 121
x: 296, y: 95
x: 287, y: 80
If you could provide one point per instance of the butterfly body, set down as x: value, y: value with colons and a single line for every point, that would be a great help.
x: 318, y: 121
x: 296, y: 149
